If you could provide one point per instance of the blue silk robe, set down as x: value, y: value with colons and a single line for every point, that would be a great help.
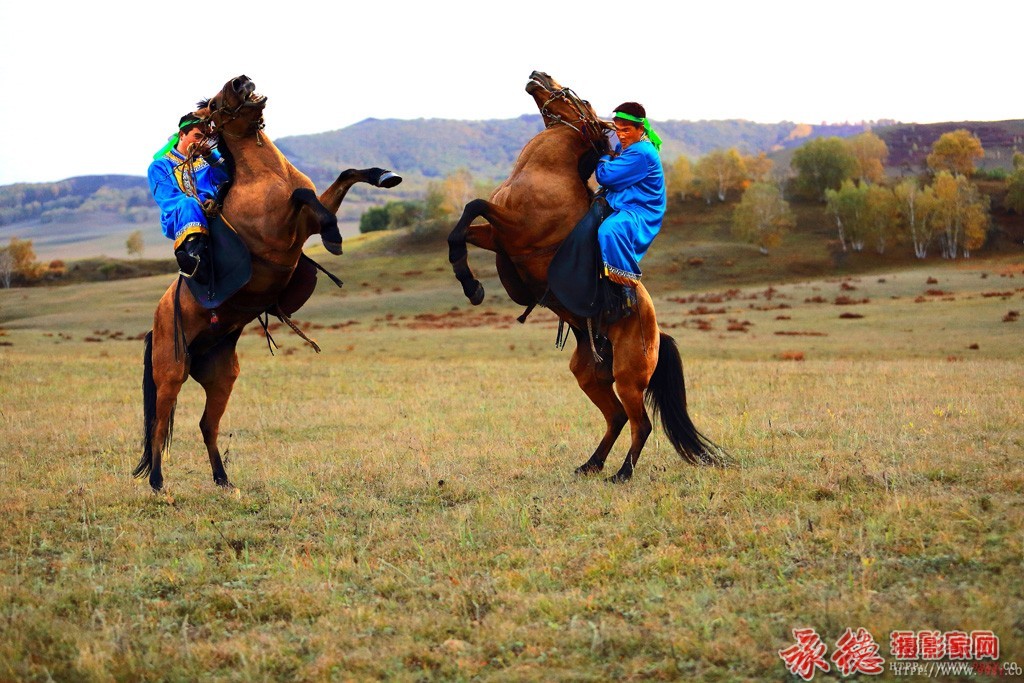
x: 181, y: 212
x: 634, y: 185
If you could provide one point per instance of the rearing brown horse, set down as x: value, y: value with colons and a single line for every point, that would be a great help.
x: 528, y: 217
x: 274, y: 209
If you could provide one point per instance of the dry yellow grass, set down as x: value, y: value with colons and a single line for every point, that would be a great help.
x: 405, y: 507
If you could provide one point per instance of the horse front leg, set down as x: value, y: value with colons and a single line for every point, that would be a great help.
x: 328, y: 222
x: 330, y: 200
x: 481, y: 235
x: 378, y: 177
x: 595, y: 379
x: 216, y: 371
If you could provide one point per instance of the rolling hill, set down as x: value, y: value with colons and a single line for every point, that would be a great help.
x: 93, y: 215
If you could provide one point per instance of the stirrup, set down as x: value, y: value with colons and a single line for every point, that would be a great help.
x: 195, y: 270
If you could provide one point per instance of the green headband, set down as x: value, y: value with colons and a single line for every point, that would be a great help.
x: 655, y: 140
x: 172, y: 141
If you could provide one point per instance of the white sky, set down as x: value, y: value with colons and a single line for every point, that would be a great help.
x: 96, y: 87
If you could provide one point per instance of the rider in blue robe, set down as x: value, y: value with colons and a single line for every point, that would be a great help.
x: 634, y: 185
x: 180, y: 190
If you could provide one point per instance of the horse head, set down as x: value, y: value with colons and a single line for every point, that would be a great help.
x: 237, y: 109
x: 561, y: 106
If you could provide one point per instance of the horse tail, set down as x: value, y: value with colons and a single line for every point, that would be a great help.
x: 666, y: 396
x: 145, y: 465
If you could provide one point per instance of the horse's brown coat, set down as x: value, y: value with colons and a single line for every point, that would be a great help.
x: 261, y: 208
x: 531, y: 213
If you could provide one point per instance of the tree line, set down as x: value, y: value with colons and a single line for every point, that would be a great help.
x: 443, y: 201
x: 129, y: 198
x: 939, y: 208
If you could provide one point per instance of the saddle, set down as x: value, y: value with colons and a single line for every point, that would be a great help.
x: 576, y: 281
x: 576, y: 274
x: 230, y: 266
x: 231, y: 269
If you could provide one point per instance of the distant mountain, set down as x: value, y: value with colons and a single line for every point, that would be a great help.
x: 426, y: 149
x: 93, y: 215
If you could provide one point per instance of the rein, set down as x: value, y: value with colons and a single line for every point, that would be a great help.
x: 589, y: 127
x: 255, y: 127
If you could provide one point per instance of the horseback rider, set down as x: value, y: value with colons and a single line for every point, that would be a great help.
x: 184, y: 175
x: 634, y: 188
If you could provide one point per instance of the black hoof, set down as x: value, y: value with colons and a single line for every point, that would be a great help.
x: 477, y: 297
x: 224, y: 483
x: 587, y: 469
x: 388, y: 180
x: 333, y: 247
x: 620, y: 477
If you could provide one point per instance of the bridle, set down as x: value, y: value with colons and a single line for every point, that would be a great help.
x: 255, y: 126
x: 590, y: 128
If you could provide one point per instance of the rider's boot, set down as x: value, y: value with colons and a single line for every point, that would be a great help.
x: 193, y: 257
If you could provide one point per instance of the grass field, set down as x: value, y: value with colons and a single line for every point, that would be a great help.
x: 406, y: 508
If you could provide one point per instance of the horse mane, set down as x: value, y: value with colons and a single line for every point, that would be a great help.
x: 203, y: 103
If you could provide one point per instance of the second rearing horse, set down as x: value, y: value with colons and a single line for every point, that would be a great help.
x: 274, y: 209
x: 528, y: 217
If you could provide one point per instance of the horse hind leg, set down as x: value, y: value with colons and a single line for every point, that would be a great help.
x: 161, y: 383
x: 595, y: 380
x: 216, y: 371
x: 640, y: 428
x: 633, y: 364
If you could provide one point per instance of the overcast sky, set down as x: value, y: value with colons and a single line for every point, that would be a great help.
x: 97, y: 87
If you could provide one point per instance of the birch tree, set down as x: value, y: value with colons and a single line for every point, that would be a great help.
x: 870, y: 154
x: 822, y: 164
x: 848, y: 205
x: 6, y: 268
x: 956, y: 152
x: 759, y: 167
x: 679, y: 177
x: 718, y: 172
x: 762, y: 216
x: 1015, y: 185
x: 135, y: 244
x: 962, y: 214
x: 916, y: 206
x: 882, y: 214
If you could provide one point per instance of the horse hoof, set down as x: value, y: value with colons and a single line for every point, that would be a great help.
x: 388, y: 180
x: 333, y: 247
x: 224, y: 484
x: 586, y: 470
x: 477, y: 297
x: 620, y: 478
